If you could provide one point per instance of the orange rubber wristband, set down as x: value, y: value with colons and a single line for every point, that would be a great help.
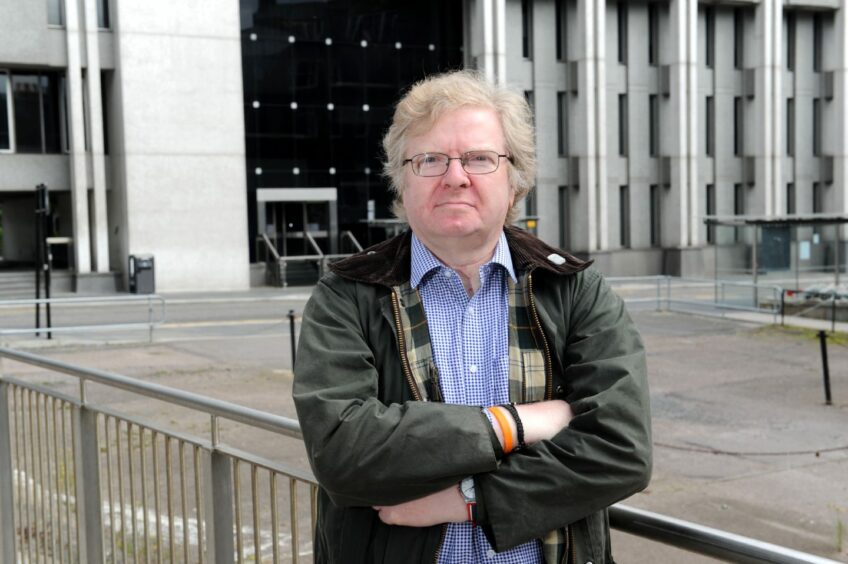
x: 505, y: 428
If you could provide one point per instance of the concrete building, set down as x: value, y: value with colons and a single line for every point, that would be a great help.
x: 189, y: 130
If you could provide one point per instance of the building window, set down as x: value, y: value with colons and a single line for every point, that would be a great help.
x: 709, y: 17
x: 709, y: 126
x: 738, y: 38
x: 738, y: 129
x: 817, y: 43
x: 738, y: 207
x: 790, y: 127
x: 564, y: 218
x: 528, y: 95
x: 103, y: 14
x: 56, y: 12
x: 5, y: 113
x: 653, y: 34
x: 790, y: 199
x: 526, y: 29
x: 816, y: 127
x: 36, y: 116
x: 818, y: 197
x: 653, y: 125
x: 656, y: 215
x: 530, y: 205
x: 790, y: 40
x: 622, y: 32
x: 623, y: 120
x: 562, y: 124
x: 624, y: 216
x: 711, y: 210
x: 561, y: 30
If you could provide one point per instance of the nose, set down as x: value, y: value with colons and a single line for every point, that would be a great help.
x: 455, y: 177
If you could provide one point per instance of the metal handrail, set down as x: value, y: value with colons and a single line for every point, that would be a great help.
x: 676, y: 532
x: 314, y: 244
x: 349, y: 235
x: 271, y: 247
x: 149, y: 299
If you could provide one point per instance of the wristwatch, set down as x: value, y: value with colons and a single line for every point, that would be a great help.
x: 466, y: 488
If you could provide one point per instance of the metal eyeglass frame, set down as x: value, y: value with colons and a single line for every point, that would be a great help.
x: 463, y: 159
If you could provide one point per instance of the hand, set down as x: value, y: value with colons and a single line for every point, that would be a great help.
x: 446, y: 506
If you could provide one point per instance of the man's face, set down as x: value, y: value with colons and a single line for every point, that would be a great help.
x: 458, y: 204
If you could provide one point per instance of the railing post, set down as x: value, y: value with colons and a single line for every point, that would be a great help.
x: 7, y: 515
x: 219, y: 508
x: 87, y: 484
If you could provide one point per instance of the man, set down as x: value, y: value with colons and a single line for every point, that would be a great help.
x: 413, y: 353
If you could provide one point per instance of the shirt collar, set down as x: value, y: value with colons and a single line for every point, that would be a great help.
x: 423, y: 261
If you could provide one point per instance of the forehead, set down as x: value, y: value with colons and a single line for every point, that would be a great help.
x: 459, y: 130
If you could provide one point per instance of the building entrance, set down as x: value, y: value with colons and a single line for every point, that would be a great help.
x: 297, y: 221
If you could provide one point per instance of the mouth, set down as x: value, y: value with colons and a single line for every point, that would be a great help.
x: 459, y: 204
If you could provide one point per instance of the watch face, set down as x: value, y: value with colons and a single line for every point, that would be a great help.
x: 467, y: 488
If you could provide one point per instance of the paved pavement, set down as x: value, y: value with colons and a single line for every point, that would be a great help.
x: 743, y: 440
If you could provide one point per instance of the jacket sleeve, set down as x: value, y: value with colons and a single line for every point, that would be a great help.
x: 604, y: 455
x: 362, y: 451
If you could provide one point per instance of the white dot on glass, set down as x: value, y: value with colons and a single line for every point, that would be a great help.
x: 431, y: 47
x: 331, y: 106
x: 328, y: 41
x: 258, y: 171
x: 398, y: 45
x: 367, y: 170
x: 365, y: 107
x: 293, y: 105
x: 296, y: 171
x: 363, y: 43
x: 255, y: 104
x: 253, y: 37
x: 332, y: 170
x: 291, y: 39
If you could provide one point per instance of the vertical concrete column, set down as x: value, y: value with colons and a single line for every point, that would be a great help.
x: 764, y: 128
x: 586, y: 200
x: 840, y: 101
x: 500, y: 40
x: 678, y: 143
x: 76, y: 141
x: 778, y: 116
x: 695, y: 198
x: 599, y: 59
x: 95, y: 138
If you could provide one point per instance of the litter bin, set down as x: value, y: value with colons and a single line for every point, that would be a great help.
x: 142, y: 274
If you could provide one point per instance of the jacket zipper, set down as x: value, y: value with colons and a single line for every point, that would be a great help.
x: 549, y: 380
x: 407, y: 371
x: 549, y: 370
x: 404, y: 359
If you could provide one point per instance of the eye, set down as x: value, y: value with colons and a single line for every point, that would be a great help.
x: 481, y: 157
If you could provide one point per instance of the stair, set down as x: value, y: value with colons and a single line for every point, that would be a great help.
x: 20, y: 284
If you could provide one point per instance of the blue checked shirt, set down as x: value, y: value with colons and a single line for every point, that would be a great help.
x: 470, y: 340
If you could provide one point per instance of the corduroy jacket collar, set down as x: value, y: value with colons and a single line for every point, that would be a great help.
x: 388, y: 263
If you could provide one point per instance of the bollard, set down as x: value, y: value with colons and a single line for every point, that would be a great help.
x: 782, y: 306
x: 293, y: 340
x: 823, y: 341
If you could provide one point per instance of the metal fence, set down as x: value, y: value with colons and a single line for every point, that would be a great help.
x: 142, y: 312
x: 82, y: 483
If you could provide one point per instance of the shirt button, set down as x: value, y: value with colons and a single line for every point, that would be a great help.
x: 472, y: 368
x: 490, y: 553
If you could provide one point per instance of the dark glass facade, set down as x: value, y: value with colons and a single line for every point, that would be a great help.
x: 320, y: 83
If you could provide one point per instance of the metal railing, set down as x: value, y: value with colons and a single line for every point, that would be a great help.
x: 154, y: 304
x: 170, y: 496
x: 278, y: 266
x: 667, y: 292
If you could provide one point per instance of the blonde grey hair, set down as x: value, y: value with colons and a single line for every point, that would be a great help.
x: 437, y: 95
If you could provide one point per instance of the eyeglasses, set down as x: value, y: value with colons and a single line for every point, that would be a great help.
x: 473, y: 162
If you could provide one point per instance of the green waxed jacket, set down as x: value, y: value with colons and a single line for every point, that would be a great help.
x: 370, y: 443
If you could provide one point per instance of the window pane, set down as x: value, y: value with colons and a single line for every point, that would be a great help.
x: 25, y: 89
x: 103, y: 14
x: 5, y: 136
x: 55, y: 12
x: 52, y: 116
